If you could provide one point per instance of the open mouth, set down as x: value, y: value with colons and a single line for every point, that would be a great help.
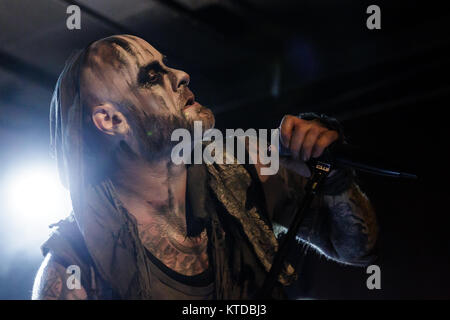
x: 190, y: 102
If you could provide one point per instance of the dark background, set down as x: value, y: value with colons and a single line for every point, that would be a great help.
x: 252, y: 62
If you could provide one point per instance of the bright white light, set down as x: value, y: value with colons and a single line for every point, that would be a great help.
x: 36, y: 198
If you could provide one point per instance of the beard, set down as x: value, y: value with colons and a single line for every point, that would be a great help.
x: 152, y: 134
x: 200, y: 113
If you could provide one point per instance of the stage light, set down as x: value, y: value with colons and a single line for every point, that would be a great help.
x: 36, y: 198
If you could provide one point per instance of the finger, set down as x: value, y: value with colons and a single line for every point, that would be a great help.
x: 286, y: 126
x: 297, y: 138
x: 310, y: 140
x: 324, y: 140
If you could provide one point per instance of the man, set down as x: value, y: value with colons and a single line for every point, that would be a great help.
x: 145, y: 228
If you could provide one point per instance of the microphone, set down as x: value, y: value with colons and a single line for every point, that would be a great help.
x: 343, y: 155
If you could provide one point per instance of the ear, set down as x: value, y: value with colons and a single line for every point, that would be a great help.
x: 108, y: 119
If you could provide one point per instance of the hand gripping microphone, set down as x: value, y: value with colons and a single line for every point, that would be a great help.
x: 341, y: 155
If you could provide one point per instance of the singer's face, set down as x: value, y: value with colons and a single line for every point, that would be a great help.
x: 128, y: 72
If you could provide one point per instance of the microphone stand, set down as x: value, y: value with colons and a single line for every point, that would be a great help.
x: 320, y: 169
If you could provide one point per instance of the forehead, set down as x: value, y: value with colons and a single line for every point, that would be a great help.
x: 112, y: 67
x: 129, y: 51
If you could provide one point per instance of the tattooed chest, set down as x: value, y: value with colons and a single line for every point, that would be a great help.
x: 184, y: 255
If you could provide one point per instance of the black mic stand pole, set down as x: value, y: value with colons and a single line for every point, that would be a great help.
x: 320, y: 171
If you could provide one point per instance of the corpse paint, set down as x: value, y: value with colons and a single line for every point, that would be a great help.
x: 199, y: 310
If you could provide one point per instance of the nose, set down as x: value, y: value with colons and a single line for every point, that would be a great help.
x: 180, y: 78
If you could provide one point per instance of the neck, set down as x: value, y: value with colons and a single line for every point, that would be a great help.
x: 154, y: 193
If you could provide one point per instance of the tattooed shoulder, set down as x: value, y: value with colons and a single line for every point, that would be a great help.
x: 51, y: 283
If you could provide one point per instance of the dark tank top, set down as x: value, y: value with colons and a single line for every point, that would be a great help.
x: 167, y: 284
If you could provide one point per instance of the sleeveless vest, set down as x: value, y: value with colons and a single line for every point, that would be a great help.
x: 229, y: 200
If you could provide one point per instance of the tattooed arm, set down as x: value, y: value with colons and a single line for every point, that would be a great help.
x: 51, y: 283
x: 342, y: 227
x: 354, y: 228
x: 345, y: 228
